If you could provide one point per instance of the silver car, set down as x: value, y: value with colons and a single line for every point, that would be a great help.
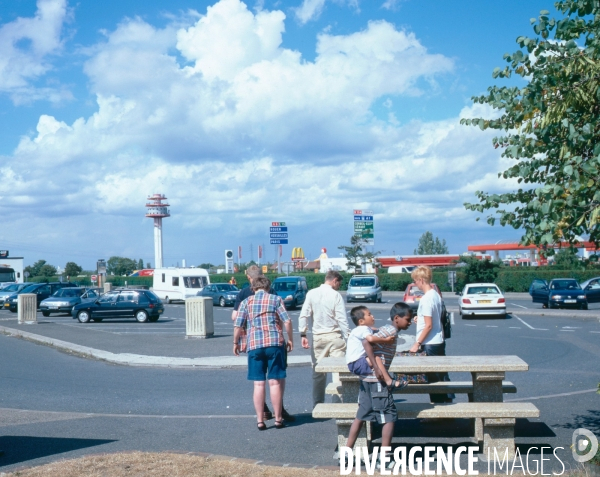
x: 11, y: 289
x: 364, y: 288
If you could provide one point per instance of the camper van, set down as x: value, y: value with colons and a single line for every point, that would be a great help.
x: 173, y: 283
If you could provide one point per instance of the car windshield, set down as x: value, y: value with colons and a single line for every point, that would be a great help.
x: 195, y: 282
x: 226, y: 288
x: 68, y: 292
x: 284, y: 286
x: 414, y: 290
x: 30, y: 288
x: 362, y: 282
x: 564, y: 285
x: 482, y: 290
x: 10, y: 288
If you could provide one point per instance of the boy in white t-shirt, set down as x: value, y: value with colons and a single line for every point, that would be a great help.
x: 359, y: 352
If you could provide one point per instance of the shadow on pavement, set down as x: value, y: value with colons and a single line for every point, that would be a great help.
x: 23, y: 448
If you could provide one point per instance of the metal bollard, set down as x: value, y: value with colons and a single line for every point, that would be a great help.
x: 27, y: 308
x: 199, y: 321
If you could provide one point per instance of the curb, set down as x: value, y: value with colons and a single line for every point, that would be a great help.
x: 128, y: 359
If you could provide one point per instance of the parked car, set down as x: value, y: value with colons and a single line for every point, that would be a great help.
x: 591, y: 288
x: 11, y: 289
x: 292, y: 290
x: 412, y: 296
x: 143, y: 305
x: 560, y: 292
x: 481, y: 299
x: 41, y: 290
x: 65, y: 299
x: 221, y: 293
x: 364, y: 288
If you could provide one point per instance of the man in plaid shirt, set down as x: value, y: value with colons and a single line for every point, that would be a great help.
x: 265, y: 316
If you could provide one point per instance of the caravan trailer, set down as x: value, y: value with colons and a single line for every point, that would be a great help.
x: 173, y: 283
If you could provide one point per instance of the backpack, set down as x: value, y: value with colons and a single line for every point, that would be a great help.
x: 446, y: 324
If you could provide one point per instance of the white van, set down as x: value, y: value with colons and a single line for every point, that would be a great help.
x: 401, y: 268
x: 178, y: 283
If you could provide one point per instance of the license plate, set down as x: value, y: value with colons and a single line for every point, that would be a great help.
x: 484, y: 301
x: 53, y: 307
x: 360, y: 296
x: 570, y: 301
x: 418, y: 298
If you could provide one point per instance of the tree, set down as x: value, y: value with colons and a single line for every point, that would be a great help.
x: 120, y: 265
x: 430, y: 246
x: 140, y: 264
x: 206, y: 266
x: 356, y: 253
x: 479, y: 270
x: 47, y: 271
x: 551, y: 129
x: 40, y: 269
x: 72, y: 269
x: 567, y: 259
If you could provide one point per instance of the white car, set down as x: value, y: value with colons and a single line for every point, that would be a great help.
x: 481, y: 299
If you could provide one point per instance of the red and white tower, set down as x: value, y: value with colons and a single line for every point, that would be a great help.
x: 157, y: 210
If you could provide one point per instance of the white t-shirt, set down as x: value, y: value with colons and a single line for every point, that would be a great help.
x: 431, y: 305
x: 354, y: 347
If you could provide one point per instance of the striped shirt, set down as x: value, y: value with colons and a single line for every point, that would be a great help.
x: 385, y: 351
x: 263, y: 315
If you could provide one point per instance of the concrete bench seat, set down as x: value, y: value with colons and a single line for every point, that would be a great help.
x: 456, y: 387
x: 498, y: 418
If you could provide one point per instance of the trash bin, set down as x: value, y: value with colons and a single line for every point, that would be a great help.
x: 199, y: 321
x: 27, y: 308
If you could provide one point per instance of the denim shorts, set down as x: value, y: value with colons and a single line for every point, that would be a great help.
x: 360, y: 367
x: 267, y: 363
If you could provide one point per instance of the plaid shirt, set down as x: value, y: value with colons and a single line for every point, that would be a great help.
x: 385, y: 351
x: 263, y: 315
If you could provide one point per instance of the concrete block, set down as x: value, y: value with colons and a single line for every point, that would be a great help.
x: 107, y: 287
x: 27, y: 308
x: 499, y: 434
x: 199, y: 321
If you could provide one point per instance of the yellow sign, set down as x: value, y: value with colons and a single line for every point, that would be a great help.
x: 265, y: 268
x: 297, y: 253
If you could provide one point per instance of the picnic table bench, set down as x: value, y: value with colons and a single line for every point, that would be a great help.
x: 494, y: 419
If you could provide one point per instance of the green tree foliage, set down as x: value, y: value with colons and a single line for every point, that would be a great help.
x: 428, y: 245
x: 120, y: 265
x: 551, y: 129
x: 40, y: 269
x: 356, y: 253
x: 206, y: 266
x: 72, y: 269
x: 478, y: 271
x: 140, y: 264
x: 567, y: 259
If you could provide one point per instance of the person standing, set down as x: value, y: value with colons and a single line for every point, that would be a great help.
x: 264, y: 316
x: 324, y: 308
x: 253, y: 272
x: 430, y: 332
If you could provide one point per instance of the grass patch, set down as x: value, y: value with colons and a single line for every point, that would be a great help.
x: 146, y: 464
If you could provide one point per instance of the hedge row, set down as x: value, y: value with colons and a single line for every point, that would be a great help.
x: 509, y: 279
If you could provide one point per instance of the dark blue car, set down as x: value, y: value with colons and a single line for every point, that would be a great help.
x: 559, y: 293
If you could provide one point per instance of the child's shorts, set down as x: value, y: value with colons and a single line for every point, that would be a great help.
x: 376, y: 403
x: 360, y: 367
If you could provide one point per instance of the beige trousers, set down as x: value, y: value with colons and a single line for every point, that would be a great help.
x: 324, y: 345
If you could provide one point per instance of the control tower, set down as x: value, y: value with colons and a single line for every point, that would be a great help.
x: 157, y: 210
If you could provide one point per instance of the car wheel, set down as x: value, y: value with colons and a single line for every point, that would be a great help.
x: 544, y: 305
x: 97, y: 320
x: 46, y: 313
x: 167, y: 300
x: 152, y: 319
x: 584, y: 307
x: 83, y: 316
x: 221, y: 301
x: 141, y: 316
x: 380, y: 299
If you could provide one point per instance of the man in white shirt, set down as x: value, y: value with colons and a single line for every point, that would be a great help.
x: 325, y: 307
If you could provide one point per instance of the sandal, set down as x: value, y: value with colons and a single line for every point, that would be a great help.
x: 279, y: 424
x: 396, y: 383
x: 261, y: 426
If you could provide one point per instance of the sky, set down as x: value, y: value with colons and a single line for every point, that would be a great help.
x: 243, y: 114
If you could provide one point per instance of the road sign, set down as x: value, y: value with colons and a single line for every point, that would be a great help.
x: 278, y: 229
x: 278, y: 224
x: 278, y: 233
x: 363, y: 226
x: 279, y: 241
x: 279, y: 236
x: 94, y: 278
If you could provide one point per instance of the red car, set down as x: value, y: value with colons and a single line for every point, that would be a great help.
x: 412, y: 295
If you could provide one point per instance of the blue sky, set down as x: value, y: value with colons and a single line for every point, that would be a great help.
x: 243, y: 114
